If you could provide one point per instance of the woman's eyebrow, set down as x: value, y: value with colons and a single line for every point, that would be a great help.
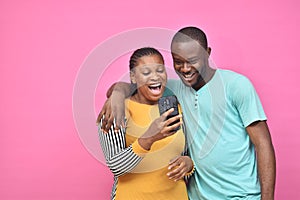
x: 147, y: 66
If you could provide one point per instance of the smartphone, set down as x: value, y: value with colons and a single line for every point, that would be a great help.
x: 167, y: 102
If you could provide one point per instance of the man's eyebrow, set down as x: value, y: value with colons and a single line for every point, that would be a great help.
x: 193, y: 58
x: 177, y: 57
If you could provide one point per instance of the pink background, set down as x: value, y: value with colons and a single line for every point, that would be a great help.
x: 44, y: 43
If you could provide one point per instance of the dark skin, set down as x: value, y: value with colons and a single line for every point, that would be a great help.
x: 191, y: 64
x: 179, y: 166
x: 260, y: 136
x: 160, y: 128
x: 118, y: 91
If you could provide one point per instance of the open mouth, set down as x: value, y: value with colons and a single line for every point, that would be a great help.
x: 189, y: 76
x: 155, y: 88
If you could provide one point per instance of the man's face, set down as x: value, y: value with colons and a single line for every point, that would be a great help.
x: 190, y: 61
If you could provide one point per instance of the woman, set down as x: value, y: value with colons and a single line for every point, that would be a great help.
x: 140, y: 157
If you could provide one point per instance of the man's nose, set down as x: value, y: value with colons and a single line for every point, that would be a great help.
x: 186, y: 67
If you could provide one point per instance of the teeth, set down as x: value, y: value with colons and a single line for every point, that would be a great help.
x: 155, y: 85
x: 188, y: 76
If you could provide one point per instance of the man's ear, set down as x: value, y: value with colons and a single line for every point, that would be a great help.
x: 132, y: 77
x: 208, y: 51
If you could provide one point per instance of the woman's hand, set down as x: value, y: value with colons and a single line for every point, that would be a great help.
x: 179, y: 167
x: 159, y: 129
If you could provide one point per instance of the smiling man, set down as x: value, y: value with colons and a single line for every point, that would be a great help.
x: 226, y: 128
x: 228, y: 137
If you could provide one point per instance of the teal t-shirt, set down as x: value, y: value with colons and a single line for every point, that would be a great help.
x: 215, y: 118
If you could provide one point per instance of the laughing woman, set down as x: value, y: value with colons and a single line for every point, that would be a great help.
x: 139, y: 154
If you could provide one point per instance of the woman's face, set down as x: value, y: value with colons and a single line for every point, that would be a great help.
x: 150, y: 77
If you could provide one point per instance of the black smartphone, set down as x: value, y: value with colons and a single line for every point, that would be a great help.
x: 167, y: 102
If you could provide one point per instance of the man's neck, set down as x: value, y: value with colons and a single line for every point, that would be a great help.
x: 209, y: 73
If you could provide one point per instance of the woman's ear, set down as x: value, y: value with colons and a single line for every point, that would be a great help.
x: 132, y: 77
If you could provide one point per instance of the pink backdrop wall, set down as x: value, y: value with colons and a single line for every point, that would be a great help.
x: 44, y: 43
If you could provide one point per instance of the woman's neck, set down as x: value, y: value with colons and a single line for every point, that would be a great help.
x: 141, y: 99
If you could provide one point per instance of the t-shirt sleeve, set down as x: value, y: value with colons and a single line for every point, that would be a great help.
x: 246, y: 100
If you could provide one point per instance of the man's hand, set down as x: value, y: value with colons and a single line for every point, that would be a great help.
x: 113, y: 109
x: 179, y: 167
x: 114, y: 106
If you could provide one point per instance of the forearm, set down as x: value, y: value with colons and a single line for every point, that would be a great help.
x: 266, y: 170
x: 148, y: 138
x: 159, y: 129
x: 123, y: 162
x: 145, y: 143
x: 261, y: 138
x: 119, y: 158
x: 121, y: 87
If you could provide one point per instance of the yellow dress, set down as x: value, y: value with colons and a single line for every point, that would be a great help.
x: 148, y: 180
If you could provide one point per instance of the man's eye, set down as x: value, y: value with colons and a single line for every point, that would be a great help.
x: 178, y: 62
x: 194, y: 61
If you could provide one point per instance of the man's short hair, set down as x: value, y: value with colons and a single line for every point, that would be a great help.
x: 191, y: 33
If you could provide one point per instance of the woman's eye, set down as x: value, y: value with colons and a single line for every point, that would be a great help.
x: 161, y: 70
x: 146, y: 73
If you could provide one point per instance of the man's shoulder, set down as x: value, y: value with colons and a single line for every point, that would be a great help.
x: 226, y: 73
x: 231, y: 77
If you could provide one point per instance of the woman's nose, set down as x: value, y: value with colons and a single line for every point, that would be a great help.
x: 154, y: 76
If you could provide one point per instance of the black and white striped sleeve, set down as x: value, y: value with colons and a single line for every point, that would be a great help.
x: 119, y: 158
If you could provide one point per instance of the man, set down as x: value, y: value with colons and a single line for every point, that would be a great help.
x: 228, y: 137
